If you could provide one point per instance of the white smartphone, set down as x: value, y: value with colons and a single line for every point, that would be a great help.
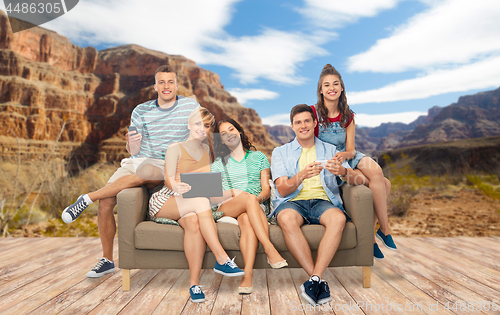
x: 323, y: 162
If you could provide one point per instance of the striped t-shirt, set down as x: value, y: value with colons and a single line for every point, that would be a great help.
x: 244, y: 175
x: 161, y: 127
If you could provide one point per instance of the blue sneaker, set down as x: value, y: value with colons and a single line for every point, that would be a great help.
x: 72, y: 212
x: 310, y: 290
x: 104, y: 266
x: 387, y: 240
x: 377, y: 253
x: 229, y: 268
x: 197, y: 296
x: 324, y: 293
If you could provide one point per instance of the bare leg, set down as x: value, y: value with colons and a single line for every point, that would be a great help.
x: 377, y: 185
x: 290, y: 222
x: 176, y: 207
x: 248, y: 203
x: 107, y: 226
x: 209, y: 232
x: 107, y: 195
x: 248, y: 247
x: 194, y: 247
x: 334, y: 222
x: 387, y: 190
x: 146, y: 175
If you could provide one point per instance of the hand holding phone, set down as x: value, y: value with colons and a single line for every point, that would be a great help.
x: 133, y: 136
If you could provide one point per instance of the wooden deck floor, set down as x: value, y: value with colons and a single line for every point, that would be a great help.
x: 425, y: 276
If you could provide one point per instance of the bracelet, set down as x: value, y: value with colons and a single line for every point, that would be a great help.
x: 261, y: 198
x: 345, y: 172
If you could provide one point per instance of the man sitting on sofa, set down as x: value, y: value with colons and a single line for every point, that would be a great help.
x: 155, y: 124
x: 307, y: 194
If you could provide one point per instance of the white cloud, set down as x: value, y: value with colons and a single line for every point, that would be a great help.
x: 367, y: 120
x: 279, y: 119
x: 451, y: 32
x: 245, y: 95
x: 273, y: 55
x: 479, y: 75
x: 171, y: 26
x: 336, y: 13
x: 194, y: 29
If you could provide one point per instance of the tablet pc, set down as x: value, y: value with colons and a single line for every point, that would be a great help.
x: 208, y: 184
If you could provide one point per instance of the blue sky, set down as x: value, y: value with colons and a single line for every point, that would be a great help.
x: 398, y: 58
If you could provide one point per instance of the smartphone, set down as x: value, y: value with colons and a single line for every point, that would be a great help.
x: 323, y: 162
x: 132, y: 128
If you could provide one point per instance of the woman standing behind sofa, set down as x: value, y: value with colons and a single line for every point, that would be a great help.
x: 336, y: 126
x: 246, y: 177
x: 193, y: 214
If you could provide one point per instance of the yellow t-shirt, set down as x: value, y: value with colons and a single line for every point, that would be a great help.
x: 312, y: 188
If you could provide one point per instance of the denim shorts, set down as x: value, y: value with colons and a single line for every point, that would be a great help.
x: 310, y: 210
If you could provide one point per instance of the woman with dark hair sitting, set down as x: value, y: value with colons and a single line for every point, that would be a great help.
x: 245, y: 175
x: 193, y: 214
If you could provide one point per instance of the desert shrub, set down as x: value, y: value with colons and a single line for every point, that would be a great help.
x: 399, y: 200
x: 60, y: 188
x: 404, y: 183
x: 486, y: 189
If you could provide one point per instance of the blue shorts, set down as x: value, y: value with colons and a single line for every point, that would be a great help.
x: 310, y: 210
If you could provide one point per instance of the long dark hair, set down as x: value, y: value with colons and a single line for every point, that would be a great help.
x: 346, y: 114
x: 220, y: 149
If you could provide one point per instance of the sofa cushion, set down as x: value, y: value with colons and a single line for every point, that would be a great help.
x: 150, y: 235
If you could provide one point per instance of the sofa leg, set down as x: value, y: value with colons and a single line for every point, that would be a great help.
x: 126, y: 279
x: 367, y: 277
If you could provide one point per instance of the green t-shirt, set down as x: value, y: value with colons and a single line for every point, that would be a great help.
x: 244, y: 175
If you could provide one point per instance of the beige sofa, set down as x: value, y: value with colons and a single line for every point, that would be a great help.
x: 147, y: 245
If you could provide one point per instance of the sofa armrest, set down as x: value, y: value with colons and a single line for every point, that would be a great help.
x: 358, y: 203
x: 132, y: 208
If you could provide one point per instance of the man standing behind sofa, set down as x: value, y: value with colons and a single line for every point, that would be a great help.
x: 307, y: 194
x: 154, y: 126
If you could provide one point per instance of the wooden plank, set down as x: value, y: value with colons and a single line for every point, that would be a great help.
x: 409, y: 290
x: 437, y: 266
x: 381, y: 297
x: 41, y: 265
x: 20, y: 294
x: 77, y: 292
x: 51, y: 292
x: 258, y: 301
x: 115, y: 302
x: 441, y: 288
x: 299, y: 276
x: 11, y: 242
x: 210, y: 282
x: 148, y: 298
x: 26, y: 251
x: 482, y: 244
x: 228, y: 300
x: 283, y: 297
x: 177, y: 297
x: 343, y: 302
x: 83, y: 304
x: 492, y: 243
x: 460, y: 263
x: 475, y: 253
